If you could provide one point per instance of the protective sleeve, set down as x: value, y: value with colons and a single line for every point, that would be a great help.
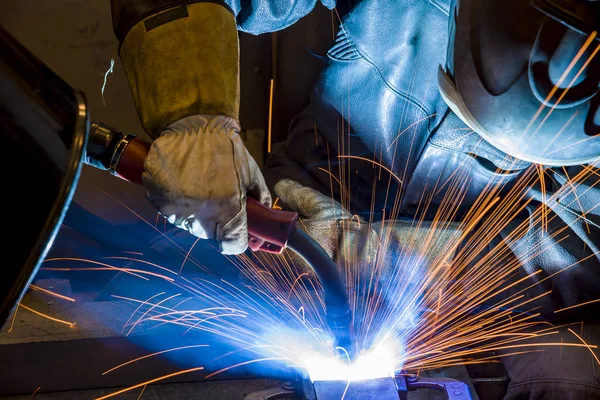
x: 253, y: 16
x: 260, y: 16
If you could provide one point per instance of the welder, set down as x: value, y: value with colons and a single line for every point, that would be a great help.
x: 428, y: 88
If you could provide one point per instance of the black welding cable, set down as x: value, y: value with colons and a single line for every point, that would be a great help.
x: 339, y: 316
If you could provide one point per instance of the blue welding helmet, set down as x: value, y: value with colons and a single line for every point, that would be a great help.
x: 525, y: 76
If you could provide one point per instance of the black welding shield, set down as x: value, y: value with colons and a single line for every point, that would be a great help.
x: 525, y: 76
x: 44, y: 126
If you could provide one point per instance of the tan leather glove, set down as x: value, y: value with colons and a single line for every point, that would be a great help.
x: 182, y: 65
x: 197, y: 176
x: 354, y: 243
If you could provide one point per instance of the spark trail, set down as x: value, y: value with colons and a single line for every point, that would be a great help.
x: 427, y: 301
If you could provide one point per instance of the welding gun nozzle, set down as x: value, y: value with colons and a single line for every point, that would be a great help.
x: 340, y: 323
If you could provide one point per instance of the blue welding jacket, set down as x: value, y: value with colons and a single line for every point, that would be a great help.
x: 260, y: 16
x: 378, y: 98
x: 381, y: 82
x: 382, y: 72
x: 382, y: 77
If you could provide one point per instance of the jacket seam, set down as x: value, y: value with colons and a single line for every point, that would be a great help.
x: 381, y: 76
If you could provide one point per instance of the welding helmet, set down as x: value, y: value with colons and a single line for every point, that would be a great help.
x: 524, y: 75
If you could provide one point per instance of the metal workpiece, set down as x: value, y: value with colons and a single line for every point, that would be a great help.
x: 389, y: 388
x: 372, y: 389
x: 454, y: 390
x: 286, y: 391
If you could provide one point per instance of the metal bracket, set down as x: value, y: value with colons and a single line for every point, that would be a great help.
x: 389, y: 388
x: 371, y: 389
x: 455, y: 390
x: 282, y: 392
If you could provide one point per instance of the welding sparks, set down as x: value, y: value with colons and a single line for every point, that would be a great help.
x: 41, y: 314
x: 577, y: 305
x: 36, y: 390
x: 430, y: 309
x: 270, y: 116
x: 153, y: 355
x: 187, y: 371
x: 41, y: 289
x: 441, y: 293
x: 586, y: 345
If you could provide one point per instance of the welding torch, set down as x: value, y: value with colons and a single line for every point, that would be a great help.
x: 269, y: 230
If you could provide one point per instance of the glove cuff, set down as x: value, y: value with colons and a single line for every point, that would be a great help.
x: 181, y: 62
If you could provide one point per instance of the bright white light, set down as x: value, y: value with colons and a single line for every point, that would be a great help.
x: 377, y: 363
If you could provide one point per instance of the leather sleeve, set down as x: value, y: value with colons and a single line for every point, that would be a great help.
x: 127, y: 13
x: 253, y: 16
x: 183, y: 61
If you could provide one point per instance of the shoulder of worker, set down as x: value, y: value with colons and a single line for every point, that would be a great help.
x: 253, y: 16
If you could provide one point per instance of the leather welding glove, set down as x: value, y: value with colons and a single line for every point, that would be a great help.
x: 356, y: 245
x: 385, y: 265
x: 197, y: 175
x: 377, y: 261
x: 182, y: 64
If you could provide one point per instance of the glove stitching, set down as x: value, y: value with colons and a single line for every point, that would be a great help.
x: 242, y: 192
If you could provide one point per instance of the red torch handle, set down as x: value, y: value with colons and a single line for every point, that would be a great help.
x: 268, y: 229
x: 129, y: 165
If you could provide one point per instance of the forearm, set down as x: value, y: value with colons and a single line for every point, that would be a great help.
x: 253, y: 16
x: 181, y: 58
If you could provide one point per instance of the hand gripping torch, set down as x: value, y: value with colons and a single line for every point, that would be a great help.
x: 269, y: 230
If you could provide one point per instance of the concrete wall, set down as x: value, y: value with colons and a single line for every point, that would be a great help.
x: 75, y: 39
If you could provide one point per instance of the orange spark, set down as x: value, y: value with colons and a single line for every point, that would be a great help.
x: 130, y: 271
x: 245, y: 363
x: 586, y: 345
x: 154, y: 354
x: 376, y: 163
x: 142, y: 392
x: 186, y: 256
x: 564, y: 93
x: 582, y: 50
x: 35, y: 391
x: 60, y: 296
x: 332, y: 176
x: 142, y: 262
x: 12, y: 322
x: 410, y: 126
x: 270, y: 116
x: 577, y: 305
x: 70, y: 324
x: 149, y: 382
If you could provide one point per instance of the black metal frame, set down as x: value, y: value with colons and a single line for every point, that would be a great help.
x: 65, y: 111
